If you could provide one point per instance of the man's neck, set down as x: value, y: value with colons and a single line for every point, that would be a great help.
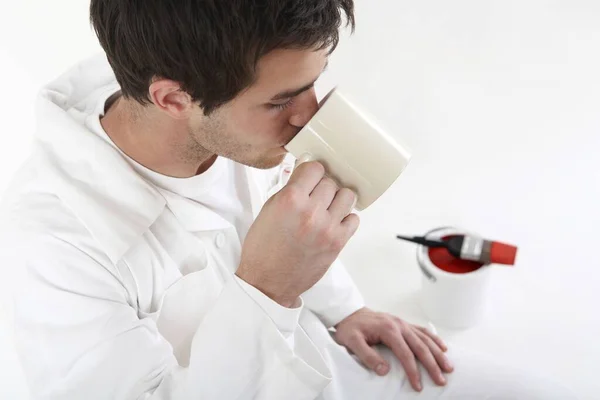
x: 154, y: 140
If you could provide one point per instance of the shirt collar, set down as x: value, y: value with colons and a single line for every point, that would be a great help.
x: 96, y: 183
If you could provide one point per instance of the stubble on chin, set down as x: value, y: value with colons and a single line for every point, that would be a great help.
x: 266, y: 162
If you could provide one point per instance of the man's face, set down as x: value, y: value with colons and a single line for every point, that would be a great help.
x: 253, y: 128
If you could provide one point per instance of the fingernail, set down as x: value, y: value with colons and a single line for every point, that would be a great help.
x: 419, y: 386
x: 449, y: 364
x: 306, y: 157
x: 381, y: 369
x: 443, y: 379
x: 355, y: 201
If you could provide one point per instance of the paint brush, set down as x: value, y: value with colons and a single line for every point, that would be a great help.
x: 471, y: 248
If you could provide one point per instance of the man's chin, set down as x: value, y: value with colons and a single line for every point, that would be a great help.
x: 269, y: 162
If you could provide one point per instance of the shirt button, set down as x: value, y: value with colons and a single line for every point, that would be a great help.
x: 220, y: 240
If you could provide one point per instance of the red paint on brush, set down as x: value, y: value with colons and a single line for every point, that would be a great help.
x: 441, y: 258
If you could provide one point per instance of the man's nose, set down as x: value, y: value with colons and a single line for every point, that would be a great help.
x: 305, y: 109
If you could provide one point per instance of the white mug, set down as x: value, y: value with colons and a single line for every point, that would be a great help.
x: 354, y: 150
x: 452, y: 300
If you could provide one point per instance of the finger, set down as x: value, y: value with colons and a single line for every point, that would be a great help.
x: 350, y: 225
x: 307, y: 176
x: 424, y: 355
x: 324, y: 193
x: 438, y: 340
x: 395, y: 341
x: 436, y: 350
x: 342, y: 204
x: 368, y: 355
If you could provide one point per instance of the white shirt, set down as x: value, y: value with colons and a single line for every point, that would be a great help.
x: 119, y: 297
x: 224, y: 190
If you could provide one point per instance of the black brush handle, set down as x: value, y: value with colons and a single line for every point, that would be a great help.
x: 455, y: 245
x: 423, y: 241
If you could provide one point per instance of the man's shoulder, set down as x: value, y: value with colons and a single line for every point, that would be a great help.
x: 30, y: 210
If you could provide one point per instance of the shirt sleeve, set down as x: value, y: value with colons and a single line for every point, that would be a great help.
x: 334, y: 296
x: 79, y: 337
x: 285, y: 319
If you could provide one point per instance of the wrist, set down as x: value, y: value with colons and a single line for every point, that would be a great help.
x: 353, y: 314
x: 284, y: 299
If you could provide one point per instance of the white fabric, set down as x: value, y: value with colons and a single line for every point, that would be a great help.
x: 286, y: 319
x: 224, y: 190
x: 125, y: 288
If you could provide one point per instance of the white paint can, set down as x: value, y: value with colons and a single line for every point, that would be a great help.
x: 450, y: 299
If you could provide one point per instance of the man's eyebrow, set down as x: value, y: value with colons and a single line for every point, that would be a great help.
x: 288, y: 94
x: 295, y: 92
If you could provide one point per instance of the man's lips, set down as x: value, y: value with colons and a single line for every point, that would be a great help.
x: 292, y: 138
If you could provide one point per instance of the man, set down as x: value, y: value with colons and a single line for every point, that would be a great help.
x: 158, y: 253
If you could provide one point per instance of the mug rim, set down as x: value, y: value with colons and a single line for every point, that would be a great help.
x: 369, y: 190
x: 424, y: 260
x: 320, y: 110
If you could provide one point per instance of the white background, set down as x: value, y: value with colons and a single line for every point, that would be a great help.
x: 500, y: 103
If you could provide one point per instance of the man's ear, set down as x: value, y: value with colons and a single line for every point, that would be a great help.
x: 167, y: 95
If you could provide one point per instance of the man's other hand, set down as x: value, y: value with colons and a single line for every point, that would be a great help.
x: 409, y: 343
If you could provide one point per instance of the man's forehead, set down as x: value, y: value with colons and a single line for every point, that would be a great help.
x: 284, y: 69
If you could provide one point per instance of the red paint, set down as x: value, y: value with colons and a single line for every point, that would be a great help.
x: 442, y: 259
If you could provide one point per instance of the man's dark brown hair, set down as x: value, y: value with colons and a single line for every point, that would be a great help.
x: 211, y: 47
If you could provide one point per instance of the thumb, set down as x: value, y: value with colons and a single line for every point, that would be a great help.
x: 306, y: 157
x: 369, y: 356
